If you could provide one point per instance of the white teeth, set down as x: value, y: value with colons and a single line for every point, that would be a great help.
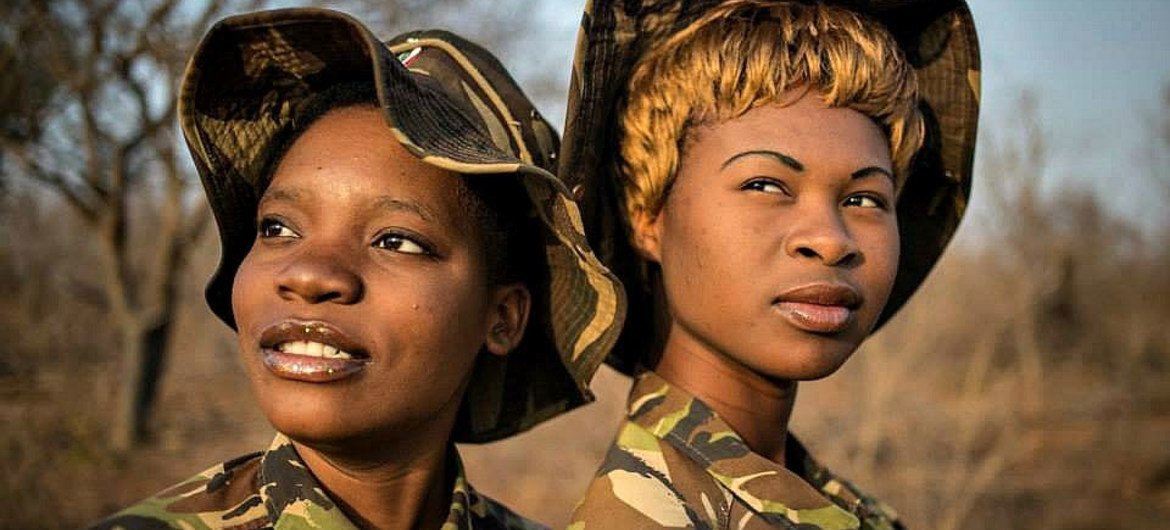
x: 312, y: 349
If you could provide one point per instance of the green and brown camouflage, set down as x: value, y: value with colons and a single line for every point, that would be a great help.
x: 274, y: 489
x: 676, y: 465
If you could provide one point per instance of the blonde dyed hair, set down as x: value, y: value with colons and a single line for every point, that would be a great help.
x: 747, y: 53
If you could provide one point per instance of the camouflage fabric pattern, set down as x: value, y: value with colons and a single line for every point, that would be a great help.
x: 452, y: 104
x: 938, y: 38
x: 274, y: 489
x: 676, y: 465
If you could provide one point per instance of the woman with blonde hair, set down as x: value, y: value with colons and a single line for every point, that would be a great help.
x: 771, y: 180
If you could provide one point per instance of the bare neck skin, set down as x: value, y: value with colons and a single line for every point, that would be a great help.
x: 758, y: 409
x: 389, y: 496
x: 388, y: 483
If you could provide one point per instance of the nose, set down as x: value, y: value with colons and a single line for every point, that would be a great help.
x: 316, y: 278
x: 821, y: 234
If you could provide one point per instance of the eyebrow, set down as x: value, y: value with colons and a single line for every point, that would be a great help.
x: 776, y: 155
x: 396, y: 204
x: 797, y: 166
x: 385, y: 202
x: 867, y: 171
x: 279, y: 195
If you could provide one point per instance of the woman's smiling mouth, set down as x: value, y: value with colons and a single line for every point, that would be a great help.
x: 312, y: 352
x: 312, y: 349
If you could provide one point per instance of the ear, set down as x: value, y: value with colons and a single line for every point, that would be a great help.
x: 647, y: 228
x: 507, y: 318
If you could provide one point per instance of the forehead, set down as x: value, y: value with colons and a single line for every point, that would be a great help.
x: 806, y: 129
x: 349, y: 153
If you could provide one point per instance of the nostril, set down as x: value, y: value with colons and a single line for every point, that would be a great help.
x: 316, y: 283
x: 830, y: 253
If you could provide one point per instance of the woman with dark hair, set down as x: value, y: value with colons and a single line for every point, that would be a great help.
x: 392, y: 234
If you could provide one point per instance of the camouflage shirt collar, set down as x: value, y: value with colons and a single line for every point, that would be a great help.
x: 294, y: 498
x: 806, y: 493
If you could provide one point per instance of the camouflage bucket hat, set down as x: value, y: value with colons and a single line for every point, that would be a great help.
x: 452, y: 104
x: 938, y: 38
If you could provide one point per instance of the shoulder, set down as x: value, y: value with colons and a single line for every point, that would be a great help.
x: 223, y: 496
x: 644, y: 483
x: 870, y: 511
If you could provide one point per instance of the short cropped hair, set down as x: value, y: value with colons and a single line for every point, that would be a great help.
x: 748, y: 53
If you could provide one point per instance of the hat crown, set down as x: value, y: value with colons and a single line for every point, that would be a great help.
x: 477, y: 82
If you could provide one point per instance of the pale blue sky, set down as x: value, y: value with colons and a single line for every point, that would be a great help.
x: 1098, y: 68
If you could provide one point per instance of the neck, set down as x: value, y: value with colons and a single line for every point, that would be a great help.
x: 757, y: 408
x: 386, y: 492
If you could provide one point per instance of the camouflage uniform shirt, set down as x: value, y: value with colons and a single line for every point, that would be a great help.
x: 274, y: 489
x: 676, y: 464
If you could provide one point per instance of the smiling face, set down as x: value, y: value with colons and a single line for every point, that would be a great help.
x: 778, y: 241
x: 365, y: 299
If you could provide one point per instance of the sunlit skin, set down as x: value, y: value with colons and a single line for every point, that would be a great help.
x: 778, y: 245
x: 362, y: 245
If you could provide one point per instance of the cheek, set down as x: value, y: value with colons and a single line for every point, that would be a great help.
x: 435, y: 336
x: 882, y: 251
x: 444, y: 314
x: 247, y: 290
x: 703, y: 254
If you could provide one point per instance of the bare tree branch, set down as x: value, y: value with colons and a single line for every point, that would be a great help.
x: 156, y: 18
x: 53, y: 180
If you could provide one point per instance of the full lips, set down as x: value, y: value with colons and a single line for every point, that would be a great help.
x: 310, y: 369
x: 821, y: 307
x: 816, y: 318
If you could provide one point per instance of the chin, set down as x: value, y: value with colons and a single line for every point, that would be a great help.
x: 804, y: 362
x: 308, y: 423
x: 326, y: 423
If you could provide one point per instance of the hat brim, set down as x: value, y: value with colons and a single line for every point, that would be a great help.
x: 937, y: 36
x: 242, y: 88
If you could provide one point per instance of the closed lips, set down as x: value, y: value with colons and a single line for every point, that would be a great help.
x: 819, y: 308
x: 827, y: 294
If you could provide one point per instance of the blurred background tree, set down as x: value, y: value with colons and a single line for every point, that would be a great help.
x: 92, y: 122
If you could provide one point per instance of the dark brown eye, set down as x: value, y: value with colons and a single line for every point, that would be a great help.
x: 864, y: 201
x: 764, y: 185
x: 270, y: 228
x: 401, y: 243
